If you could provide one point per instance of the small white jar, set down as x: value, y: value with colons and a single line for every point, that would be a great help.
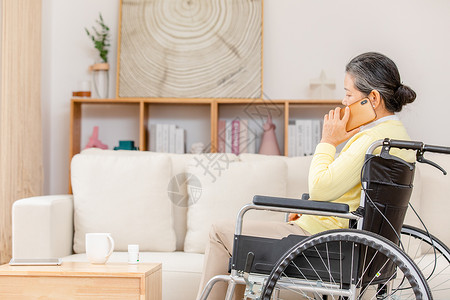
x: 133, y: 254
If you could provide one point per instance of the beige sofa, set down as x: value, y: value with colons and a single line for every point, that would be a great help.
x: 167, y: 202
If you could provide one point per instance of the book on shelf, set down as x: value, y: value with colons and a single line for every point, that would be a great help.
x: 221, y: 136
x: 243, y: 136
x: 172, y: 138
x: 303, y: 136
x: 236, y: 136
x: 228, y: 133
x: 180, y: 140
x: 292, y: 139
x: 167, y: 138
x: 235, y: 132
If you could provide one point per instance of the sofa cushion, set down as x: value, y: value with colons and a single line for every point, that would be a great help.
x: 124, y: 193
x: 223, y: 188
x: 297, y: 171
x: 177, y: 188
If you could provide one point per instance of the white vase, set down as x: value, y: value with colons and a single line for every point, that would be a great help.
x: 100, y: 79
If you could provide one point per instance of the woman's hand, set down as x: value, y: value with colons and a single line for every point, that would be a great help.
x: 334, y: 131
x: 293, y: 217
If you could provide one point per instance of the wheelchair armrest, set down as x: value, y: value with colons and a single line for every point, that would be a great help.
x: 301, y: 204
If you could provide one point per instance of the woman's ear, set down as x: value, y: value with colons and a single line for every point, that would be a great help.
x: 375, y: 98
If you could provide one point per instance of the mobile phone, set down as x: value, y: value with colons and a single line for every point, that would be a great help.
x: 361, y: 113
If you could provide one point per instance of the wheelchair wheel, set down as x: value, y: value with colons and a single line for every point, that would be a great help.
x: 434, y: 262
x: 346, y: 264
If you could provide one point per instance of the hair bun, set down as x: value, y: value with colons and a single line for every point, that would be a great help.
x: 404, y: 95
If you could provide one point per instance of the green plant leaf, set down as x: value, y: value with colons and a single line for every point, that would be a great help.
x: 100, y: 37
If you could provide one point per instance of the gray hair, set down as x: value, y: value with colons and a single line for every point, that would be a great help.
x: 374, y: 71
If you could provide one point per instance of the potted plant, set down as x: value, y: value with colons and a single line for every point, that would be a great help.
x: 100, y: 37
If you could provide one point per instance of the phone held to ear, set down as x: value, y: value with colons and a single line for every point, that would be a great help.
x: 361, y: 113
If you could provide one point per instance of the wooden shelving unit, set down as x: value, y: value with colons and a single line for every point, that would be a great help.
x: 215, y: 106
x: 144, y: 105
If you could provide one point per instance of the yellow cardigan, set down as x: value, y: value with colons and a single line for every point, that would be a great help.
x: 338, y: 180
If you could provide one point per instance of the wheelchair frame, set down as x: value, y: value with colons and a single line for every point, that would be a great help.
x: 256, y: 282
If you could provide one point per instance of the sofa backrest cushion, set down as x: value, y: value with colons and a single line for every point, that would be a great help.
x: 123, y: 193
x: 223, y: 187
x: 297, y: 171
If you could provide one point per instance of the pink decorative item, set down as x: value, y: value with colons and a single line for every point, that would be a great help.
x: 269, y: 144
x: 94, y: 142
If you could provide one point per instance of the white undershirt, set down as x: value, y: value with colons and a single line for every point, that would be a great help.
x: 379, y: 121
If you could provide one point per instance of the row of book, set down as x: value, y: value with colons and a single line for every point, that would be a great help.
x: 238, y: 136
x: 167, y: 138
x: 303, y: 136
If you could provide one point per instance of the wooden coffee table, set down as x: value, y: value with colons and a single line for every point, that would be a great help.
x: 79, y: 280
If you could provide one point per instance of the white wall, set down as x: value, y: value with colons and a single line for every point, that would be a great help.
x: 67, y: 54
x: 301, y: 37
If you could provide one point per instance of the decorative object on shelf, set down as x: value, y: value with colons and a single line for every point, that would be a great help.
x: 269, y: 143
x: 81, y: 94
x: 160, y: 41
x: 100, y: 78
x: 197, y: 148
x: 126, y: 145
x: 100, y: 71
x: 84, y: 89
x: 321, y: 87
x: 94, y: 142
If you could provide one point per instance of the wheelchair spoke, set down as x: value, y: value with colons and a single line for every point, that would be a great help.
x: 328, y: 261
x: 340, y: 262
x: 434, y: 287
x: 352, y: 256
x: 296, y: 290
x: 418, y: 248
x: 303, y: 276
x: 433, y: 263
x: 379, y: 272
x: 295, y: 265
x: 422, y: 255
x: 385, y: 284
x: 432, y: 257
x: 327, y: 267
x: 407, y: 248
x: 368, y: 265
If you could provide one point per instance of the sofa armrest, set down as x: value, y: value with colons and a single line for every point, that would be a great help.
x: 42, y: 227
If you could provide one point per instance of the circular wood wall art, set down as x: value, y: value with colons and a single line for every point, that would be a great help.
x: 190, y: 49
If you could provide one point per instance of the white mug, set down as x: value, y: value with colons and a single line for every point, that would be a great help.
x: 99, y: 246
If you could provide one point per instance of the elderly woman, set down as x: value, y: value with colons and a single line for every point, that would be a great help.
x: 372, y: 76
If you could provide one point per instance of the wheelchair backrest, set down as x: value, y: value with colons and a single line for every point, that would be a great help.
x: 388, y: 187
x: 387, y: 184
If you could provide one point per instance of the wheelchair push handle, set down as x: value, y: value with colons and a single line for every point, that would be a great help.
x: 414, y: 145
x: 420, y: 149
x: 409, y: 145
x: 436, y: 149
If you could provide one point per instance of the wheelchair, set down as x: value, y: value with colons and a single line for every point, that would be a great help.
x: 376, y: 258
